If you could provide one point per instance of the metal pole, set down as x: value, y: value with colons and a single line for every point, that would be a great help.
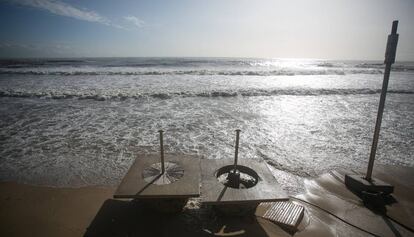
x: 389, y: 60
x: 236, y: 152
x: 162, y: 152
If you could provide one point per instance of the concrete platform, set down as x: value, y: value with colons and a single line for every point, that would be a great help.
x: 359, y: 184
x: 215, y: 193
x: 135, y: 183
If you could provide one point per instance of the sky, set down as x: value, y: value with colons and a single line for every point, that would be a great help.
x: 322, y: 29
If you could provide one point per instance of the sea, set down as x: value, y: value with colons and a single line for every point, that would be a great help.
x: 82, y: 121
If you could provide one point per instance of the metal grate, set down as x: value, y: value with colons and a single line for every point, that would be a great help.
x: 285, y: 213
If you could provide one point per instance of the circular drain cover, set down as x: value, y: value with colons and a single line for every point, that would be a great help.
x: 173, y: 172
x: 243, y: 178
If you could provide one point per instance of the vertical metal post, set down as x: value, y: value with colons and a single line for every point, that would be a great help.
x: 389, y: 60
x: 236, y: 152
x: 162, y: 152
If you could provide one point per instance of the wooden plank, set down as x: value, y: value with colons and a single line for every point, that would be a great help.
x: 215, y: 193
x: 133, y: 184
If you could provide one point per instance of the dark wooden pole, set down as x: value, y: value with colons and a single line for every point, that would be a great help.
x: 162, y: 152
x: 389, y: 60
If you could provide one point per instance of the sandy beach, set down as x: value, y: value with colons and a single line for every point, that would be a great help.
x: 27, y: 210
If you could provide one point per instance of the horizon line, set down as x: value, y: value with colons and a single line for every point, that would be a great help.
x: 201, y: 57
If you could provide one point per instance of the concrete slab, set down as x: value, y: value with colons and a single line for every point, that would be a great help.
x: 359, y: 184
x: 135, y: 183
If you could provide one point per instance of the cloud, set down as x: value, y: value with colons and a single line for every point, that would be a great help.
x: 13, y: 45
x: 40, y: 49
x: 135, y: 21
x: 64, y: 9
x: 35, y: 46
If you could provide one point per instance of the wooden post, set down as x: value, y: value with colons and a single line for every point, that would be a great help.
x: 162, y: 152
x: 236, y: 152
x: 389, y: 60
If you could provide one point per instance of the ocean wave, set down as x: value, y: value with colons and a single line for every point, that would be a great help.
x: 329, y: 64
x: 399, y: 67
x: 168, y: 95
x: 281, y: 72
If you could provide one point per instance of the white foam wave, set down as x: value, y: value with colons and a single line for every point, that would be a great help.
x: 132, y: 72
x: 116, y: 95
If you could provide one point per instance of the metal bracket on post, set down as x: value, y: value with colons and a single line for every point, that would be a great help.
x: 162, y: 152
x: 392, y: 42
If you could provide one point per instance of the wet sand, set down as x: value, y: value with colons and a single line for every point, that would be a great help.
x: 27, y: 210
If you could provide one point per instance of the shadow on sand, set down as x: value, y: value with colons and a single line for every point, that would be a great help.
x: 132, y: 218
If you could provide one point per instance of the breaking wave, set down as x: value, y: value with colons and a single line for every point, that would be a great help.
x: 160, y: 95
x: 399, y: 67
x: 280, y: 72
